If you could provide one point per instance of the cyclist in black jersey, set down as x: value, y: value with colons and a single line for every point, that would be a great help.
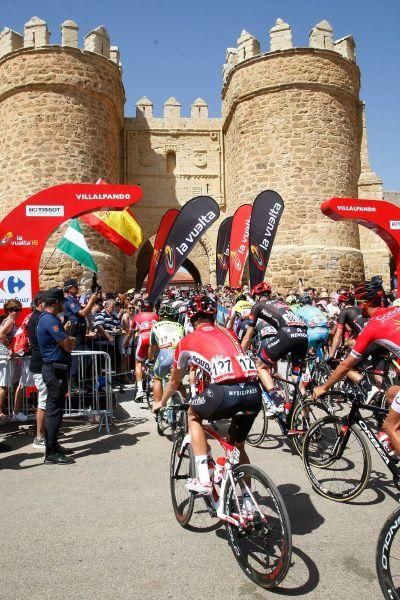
x: 291, y: 336
x: 350, y: 317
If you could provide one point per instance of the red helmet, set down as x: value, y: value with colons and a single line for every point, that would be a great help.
x: 201, y: 305
x: 261, y: 288
x: 346, y: 297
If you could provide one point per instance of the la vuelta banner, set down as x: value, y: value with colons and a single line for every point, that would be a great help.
x: 267, y: 211
x: 163, y: 230
x: 239, y: 244
x: 222, y: 262
x: 194, y: 219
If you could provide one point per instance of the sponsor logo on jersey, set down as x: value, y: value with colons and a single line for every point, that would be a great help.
x: 170, y: 259
x: 257, y: 257
x: 47, y: 210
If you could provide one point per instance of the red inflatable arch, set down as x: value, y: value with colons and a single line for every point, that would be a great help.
x: 25, y: 230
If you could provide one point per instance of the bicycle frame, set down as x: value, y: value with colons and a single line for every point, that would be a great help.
x: 355, y: 417
x: 214, y: 502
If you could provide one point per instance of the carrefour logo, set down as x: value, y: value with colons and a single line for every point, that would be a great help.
x: 16, y: 284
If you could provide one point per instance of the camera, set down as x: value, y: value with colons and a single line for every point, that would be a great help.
x: 96, y: 288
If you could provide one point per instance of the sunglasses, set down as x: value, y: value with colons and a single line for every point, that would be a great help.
x: 14, y: 310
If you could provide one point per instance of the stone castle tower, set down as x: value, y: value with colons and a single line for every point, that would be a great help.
x: 291, y: 121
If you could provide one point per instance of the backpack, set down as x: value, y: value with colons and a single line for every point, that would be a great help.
x: 20, y: 342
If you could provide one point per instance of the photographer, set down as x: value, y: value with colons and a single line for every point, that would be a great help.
x: 55, y: 347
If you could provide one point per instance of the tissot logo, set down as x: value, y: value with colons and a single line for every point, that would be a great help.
x: 170, y: 259
x: 257, y: 257
x: 46, y: 210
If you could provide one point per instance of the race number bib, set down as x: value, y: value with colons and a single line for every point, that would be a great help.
x: 292, y: 320
x: 221, y: 368
x: 267, y: 331
x: 247, y: 365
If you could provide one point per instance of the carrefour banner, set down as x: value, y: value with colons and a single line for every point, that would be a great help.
x: 194, y: 219
x: 239, y: 244
x: 224, y: 234
x: 267, y: 211
x: 163, y: 230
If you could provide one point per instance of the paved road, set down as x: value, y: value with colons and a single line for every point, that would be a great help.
x: 104, y: 528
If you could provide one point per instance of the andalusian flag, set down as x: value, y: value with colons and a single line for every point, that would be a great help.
x: 74, y: 245
x: 118, y: 227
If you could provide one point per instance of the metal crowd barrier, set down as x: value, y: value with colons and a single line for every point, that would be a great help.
x: 89, y: 393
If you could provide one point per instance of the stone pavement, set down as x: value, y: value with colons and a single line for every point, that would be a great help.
x: 103, y: 528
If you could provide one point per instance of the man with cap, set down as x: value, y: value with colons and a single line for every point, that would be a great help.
x: 76, y: 315
x: 55, y: 347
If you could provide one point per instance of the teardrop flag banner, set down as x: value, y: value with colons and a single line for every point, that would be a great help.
x: 195, y: 217
x: 222, y: 258
x: 163, y: 230
x: 239, y: 244
x: 267, y: 211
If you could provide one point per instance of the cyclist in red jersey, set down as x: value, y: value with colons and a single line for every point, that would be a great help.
x: 383, y: 329
x: 233, y: 385
x: 141, y: 323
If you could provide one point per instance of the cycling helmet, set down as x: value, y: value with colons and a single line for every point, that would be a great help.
x: 201, y: 306
x: 305, y: 299
x: 261, y: 289
x: 370, y: 290
x: 168, y: 312
x: 240, y: 297
x: 346, y: 298
x: 291, y: 299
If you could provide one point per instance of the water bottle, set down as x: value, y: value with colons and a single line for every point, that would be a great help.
x: 211, y: 465
x: 219, y: 469
x: 384, y: 440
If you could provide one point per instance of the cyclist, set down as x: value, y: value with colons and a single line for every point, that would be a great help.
x: 238, y: 319
x: 350, y: 319
x: 317, y: 323
x: 164, y: 337
x: 141, y: 324
x: 382, y: 329
x: 291, y: 337
x: 232, y: 387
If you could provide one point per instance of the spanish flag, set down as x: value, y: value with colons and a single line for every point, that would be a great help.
x: 118, y: 227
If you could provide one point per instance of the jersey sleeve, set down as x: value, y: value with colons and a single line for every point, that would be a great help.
x: 341, y: 319
x: 253, y: 316
x: 181, y: 357
x: 365, y: 338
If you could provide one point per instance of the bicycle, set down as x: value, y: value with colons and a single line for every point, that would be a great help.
x: 259, y: 531
x: 387, y: 553
x: 148, y: 378
x: 333, y: 445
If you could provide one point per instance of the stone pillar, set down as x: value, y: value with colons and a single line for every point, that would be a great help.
x: 69, y: 34
x: 280, y: 36
x: 375, y: 251
x: 199, y: 109
x: 36, y: 33
x: 144, y: 108
x: 321, y: 36
x: 247, y: 46
x: 230, y: 61
x: 115, y: 55
x: 98, y: 41
x: 9, y: 41
x: 172, y: 109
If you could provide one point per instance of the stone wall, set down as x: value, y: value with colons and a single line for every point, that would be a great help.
x: 173, y: 159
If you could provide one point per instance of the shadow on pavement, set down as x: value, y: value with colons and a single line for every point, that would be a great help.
x: 302, y: 577
x: 304, y: 517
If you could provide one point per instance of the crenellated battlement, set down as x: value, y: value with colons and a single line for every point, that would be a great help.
x: 172, y: 116
x: 280, y: 39
x: 37, y: 35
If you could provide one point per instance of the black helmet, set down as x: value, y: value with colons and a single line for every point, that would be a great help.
x: 371, y: 291
x: 168, y: 312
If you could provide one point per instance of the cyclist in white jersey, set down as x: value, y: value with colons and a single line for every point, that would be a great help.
x: 164, y: 338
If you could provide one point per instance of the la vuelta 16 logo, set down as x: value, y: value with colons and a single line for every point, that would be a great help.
x: 257, y: 257
x: 156, y: 256
x: 223, y: 261
x: 236, y: 259
x: 6, y: 238
x: 170, y: 259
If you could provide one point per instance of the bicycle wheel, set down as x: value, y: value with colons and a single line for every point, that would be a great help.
x: 304, y: 414
x: 259, y: 428
x: 336, y: 459
x: 263, y: 548
x: 182, y: 466
x: 388, y: 557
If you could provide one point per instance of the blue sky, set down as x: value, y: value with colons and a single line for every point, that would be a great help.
x: 177, y: 48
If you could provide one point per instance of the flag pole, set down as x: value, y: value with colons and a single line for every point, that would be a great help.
x: 48, y: 260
